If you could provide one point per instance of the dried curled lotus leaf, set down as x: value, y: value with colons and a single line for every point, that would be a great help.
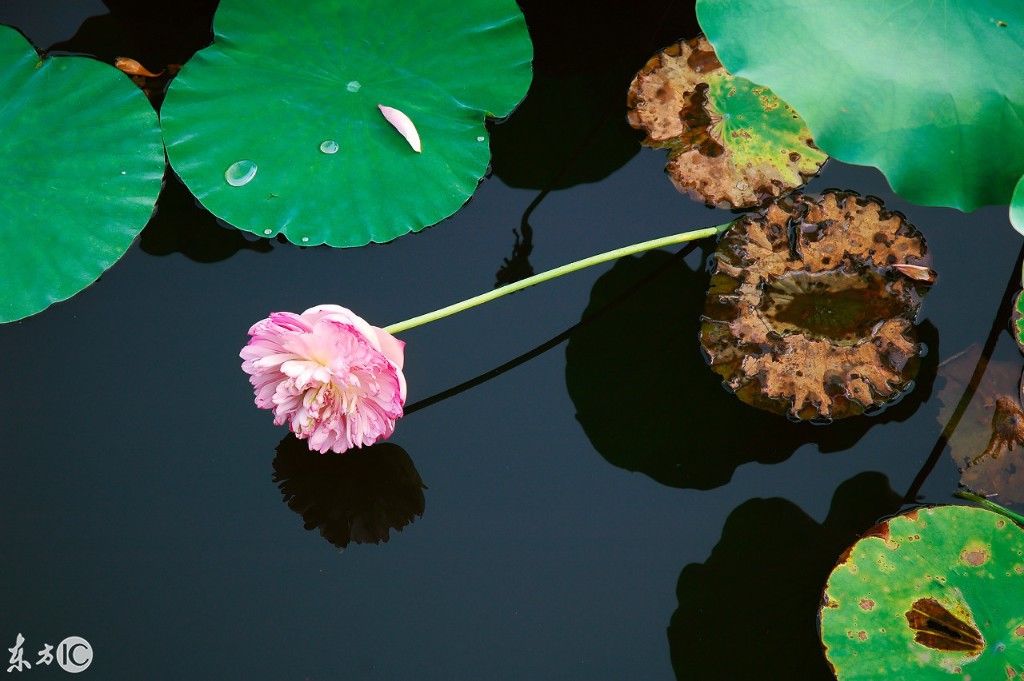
x: 936, y: 593
x: 731, y: 143
x: 808, y: 313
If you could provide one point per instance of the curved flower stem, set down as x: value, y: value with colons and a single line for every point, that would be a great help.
x: 554, y: 274
x: 991, y: 506
x: 552, y: 342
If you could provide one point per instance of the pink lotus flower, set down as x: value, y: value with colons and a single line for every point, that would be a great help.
x: 333, y: 378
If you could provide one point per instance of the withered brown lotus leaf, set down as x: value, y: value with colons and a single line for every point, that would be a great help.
x: 811, y: 309
x: 732, y: 143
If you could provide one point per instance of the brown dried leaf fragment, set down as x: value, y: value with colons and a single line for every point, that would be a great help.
x: 808, y: 313
x: 134, y: 68
x: 153, y: 84
x: 917, y: 272
x: 988, y: 444
x: 732, y: 143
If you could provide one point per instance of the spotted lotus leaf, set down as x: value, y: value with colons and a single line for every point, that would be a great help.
x: 936, y: 593
x: 277, y: 127
x: 731, y: 143
x: 80, y: 169
x: 928, y: 92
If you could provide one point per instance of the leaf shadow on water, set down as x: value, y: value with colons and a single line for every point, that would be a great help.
x: 357, y: 497
x: 181, y: 225
x: 649, y: 403
x: 153, y: 32
x: 751, y: 609
x: 159, y: 33
x: 572, y: 128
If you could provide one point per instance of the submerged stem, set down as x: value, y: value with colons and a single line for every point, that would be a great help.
x: 554, y: 274
x: 999, y: 325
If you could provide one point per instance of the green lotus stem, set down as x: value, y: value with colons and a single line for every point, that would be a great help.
x: 555, y: 273
x: 992, y: 506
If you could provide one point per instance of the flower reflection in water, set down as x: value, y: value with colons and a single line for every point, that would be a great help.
x: 358, y: 497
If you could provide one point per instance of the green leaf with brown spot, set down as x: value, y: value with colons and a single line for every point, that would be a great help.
x: 1018, y: 320
x: 936, y: 593
x: 732, y: 143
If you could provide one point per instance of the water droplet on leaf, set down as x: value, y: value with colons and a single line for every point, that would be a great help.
x: 329, y: 147
x: 353, y: 86
x: 240, y: 173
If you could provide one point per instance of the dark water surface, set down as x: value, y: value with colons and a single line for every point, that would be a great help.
x: 138, y: 503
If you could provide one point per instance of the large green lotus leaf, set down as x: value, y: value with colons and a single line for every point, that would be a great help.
x: 929, y: 92
x: 80, y: 168
x: 936, y: 593
x: 281, y: 82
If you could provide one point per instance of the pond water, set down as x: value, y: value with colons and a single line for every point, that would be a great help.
x: 676, y: 533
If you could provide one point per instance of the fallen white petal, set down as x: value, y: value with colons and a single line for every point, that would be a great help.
x: 403, y: 124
